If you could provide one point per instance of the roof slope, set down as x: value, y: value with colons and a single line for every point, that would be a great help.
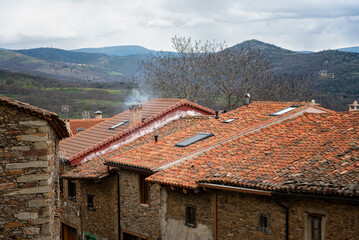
x: 313, y: 153
x: 161, y: 155
x: 56, y: 123
x: 83, y: 123
x: 98, y: 136
x: 96, y: 169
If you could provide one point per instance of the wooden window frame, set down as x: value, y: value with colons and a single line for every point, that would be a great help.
x: 70, y: 195
x: 144, y: 189
x: 310, y: 218
x: 191, y: 216
x: 91, y: 208
x: 262, y: 217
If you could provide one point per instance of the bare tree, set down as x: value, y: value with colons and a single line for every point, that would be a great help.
x: 206, y: 72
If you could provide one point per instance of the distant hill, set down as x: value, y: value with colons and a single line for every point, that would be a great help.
x: 117, y: 50
x: 349, y: 49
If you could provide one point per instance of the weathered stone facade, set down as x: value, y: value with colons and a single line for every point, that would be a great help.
x: 102, y: 219
x: 139, y: 219
x: 28, y: 174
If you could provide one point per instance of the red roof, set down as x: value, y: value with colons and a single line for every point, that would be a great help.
x: 156, y: 157
x: 98, y: 136
x: 56, y: 123
x: 313, y: 153
x: 82, y: 123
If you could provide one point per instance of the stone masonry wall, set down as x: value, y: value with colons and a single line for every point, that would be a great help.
x: 136, y: 218
x: 102, y: 221
x: 174, y: 203
x: 28, y: 174
x: 237, y: 217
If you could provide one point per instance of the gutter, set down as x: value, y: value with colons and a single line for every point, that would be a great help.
x: 130, y: 168
x: 235, y: 189
x: 286, y: 218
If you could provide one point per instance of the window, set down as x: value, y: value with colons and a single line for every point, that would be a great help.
x: 117, y: 125
x: 229, y: 120
x: 144, y: 189
x: 128, y: 236
x: 72, y: 190
x: 314, y: 227
x: 90, y: 204
x: 263, y: 223
x: 89, y: 236
x: 61, y: 183
x: 193, y: 139
x: 191, y: 216
x: 285, y: 110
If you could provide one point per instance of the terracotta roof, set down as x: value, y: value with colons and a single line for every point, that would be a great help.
x: 82, y: 123
x: 56, y: 123
x: 96, y: 169
x: 313, y: 154
x: 156, y: 157
x: 98, y: 136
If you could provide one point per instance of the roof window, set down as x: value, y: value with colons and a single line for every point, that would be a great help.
x: 285, y: 110
x: 117, y: 125
x: 194, y: 139
x: 229, y: 120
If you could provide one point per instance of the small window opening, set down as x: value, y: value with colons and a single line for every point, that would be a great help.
x: 144, y: 190
x: 263, y: 223
x: 90, y: 202
x: 72, y: 190
x: 229, y: 120
x: 117, y: 125
x: 194, y: 139
x: 285, y: 110
x: 315, y: 227
x: 191, y: 216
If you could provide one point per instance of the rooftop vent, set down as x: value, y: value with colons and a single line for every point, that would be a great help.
x: 285, y: 110
x: 194, y: 139
x: 354, y: 106
x: 117, y: 125
x: 98, y: 115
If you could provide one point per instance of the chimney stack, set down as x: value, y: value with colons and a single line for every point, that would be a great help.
x: 354, y: 106
x: 135, y: 113
x: 98, y: 115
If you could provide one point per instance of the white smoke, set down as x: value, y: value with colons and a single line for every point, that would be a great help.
x: 136, y: 97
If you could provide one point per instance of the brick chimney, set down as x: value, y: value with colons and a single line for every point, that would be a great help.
x: 135, y: 113
x: 98, y: 115
x: 354, y: 106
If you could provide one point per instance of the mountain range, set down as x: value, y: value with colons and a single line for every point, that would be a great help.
x: 119, y: 64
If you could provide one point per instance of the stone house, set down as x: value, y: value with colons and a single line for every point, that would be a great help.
x: 79, y: 191
x: 161, y: 193
x: 29, y: 139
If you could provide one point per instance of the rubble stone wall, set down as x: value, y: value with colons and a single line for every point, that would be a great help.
x: 28, y: 176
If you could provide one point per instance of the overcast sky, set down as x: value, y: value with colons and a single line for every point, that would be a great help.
x: 69, y: 24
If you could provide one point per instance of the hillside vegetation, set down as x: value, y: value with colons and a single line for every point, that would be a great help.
x: 51, y: 94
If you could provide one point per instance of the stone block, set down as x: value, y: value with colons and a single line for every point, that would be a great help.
x: 31, y: 231
x: 40, y: 145
x: 35, y: 164
x: 5, y: 186
x: 33, y: 177
x: 37, y: 203
x: 45, y: 158
x: 36, y: 152
x: 14, y: 225
x: 20, y: 148
x: 27, y: 215
x: 34, y: 190
x: 30, y: 185
x: 15, y: 172
x: 37, y: 137
x: 44, y: 129
x: 34, y: 123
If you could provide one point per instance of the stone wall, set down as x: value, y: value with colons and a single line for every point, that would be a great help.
x: 28, y: 175
x: 136, y: 218
x: 237, y: 217
x: 102, y: 221
x: 174, y: 203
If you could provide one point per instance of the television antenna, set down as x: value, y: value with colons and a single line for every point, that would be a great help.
x: 65, y: 109
x: 325, y: 74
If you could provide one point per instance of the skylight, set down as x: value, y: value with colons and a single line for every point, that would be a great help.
x: 194, y: 139
x: 285, y: 110
x: 229, y: 120
x: 117, y: 125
